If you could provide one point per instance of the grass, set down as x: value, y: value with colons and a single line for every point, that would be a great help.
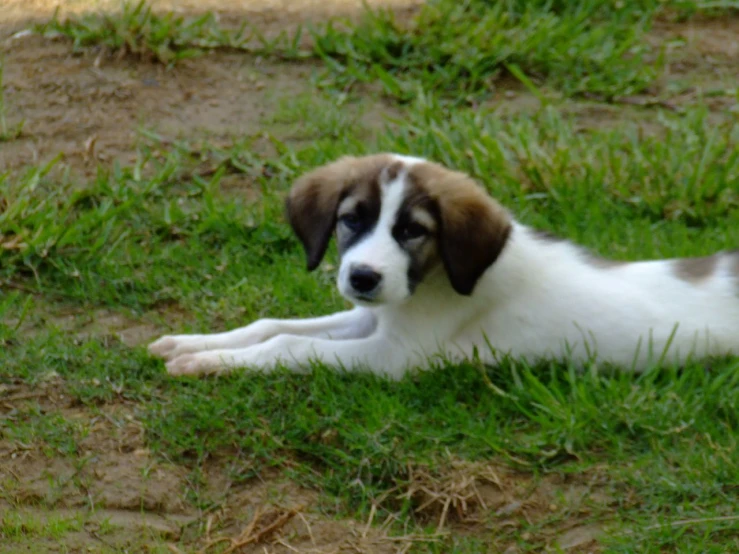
x: 161, y: 238
x: 57, y: 435
x: 16, y: 526
x: 164, y: 38
x: 122, y: 241
x: 460, y: 49
x: 457, y: 50
x: 137, y: 31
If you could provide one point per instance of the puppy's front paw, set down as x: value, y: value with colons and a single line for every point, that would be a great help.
x: 202, y: 363
x: 173, y: 346
x: 164, y: 347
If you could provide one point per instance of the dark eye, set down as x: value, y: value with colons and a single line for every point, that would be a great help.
x: 411, y: 231
x: 352, y: 221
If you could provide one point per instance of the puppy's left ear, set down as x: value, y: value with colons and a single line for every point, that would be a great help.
x: 312, y: 204
x: 474, y: 232
x: 473, y: 228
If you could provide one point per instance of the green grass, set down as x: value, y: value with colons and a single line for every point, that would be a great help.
x: 458, y: 50
x: 152, y: 232
x: 57, y: 436
x: 137, y: 31
x: 162, y: 237
x: 166, y: 38
x: 16, y: 526
x: 155, y: 235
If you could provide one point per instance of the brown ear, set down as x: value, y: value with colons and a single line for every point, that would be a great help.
x: 315, y: 197
x: 311, y: 207
x: 473, y: 227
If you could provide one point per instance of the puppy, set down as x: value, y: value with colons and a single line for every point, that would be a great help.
x: 435, y: 266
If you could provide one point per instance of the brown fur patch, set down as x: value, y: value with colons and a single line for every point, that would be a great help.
x: 694, y: 270
x: 473, y: 228
x: 313, y: 200
x: 391, y: 172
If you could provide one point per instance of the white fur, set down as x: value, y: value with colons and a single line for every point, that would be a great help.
x: 380, y: 251
x: 540, y: 299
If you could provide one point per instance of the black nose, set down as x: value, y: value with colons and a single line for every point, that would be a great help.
x: 364, y: 278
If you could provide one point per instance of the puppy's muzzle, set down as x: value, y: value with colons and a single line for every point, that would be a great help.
x: 365, y: 281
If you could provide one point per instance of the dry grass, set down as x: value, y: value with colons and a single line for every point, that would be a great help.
x: 457, y: 493
x: 262, y: 526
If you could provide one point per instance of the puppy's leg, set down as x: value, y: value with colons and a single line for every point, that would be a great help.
x: 375, y: 353
x: 356, y: 323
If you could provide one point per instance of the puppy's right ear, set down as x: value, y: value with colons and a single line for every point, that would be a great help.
x: 312, y: 204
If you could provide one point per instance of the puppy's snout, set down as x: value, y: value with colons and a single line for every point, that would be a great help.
x: 364, y: 279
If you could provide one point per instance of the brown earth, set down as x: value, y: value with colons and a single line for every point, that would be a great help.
x: 97, y: 472
x: 90, y: 107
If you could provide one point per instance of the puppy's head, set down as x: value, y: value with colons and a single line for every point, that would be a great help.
x: 396, y: 219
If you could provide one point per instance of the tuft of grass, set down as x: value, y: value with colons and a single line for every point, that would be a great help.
x: 138, y: 31
x: 18, y: 526
x: 460, y: 49
x: 166, y: 38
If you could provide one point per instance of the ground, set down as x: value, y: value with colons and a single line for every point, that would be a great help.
x: 84, y: 472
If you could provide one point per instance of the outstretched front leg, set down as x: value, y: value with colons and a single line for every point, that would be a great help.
x: 352, y: 324
x: 376, y: 353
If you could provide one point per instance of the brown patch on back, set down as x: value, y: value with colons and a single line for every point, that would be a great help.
x: 473, y: 228
x: 313, y: 200
x: 695, y: 269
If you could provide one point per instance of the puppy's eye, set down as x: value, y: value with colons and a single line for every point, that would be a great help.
x: 352, y: 221
x: 412, y: 231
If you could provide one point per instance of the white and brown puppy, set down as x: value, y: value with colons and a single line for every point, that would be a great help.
x: 436, y: 266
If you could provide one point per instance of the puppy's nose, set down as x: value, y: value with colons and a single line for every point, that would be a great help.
x: 364, y: 279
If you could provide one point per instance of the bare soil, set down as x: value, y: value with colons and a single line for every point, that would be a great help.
x: 122, y: 496
x: 91, y: 108
x: 93, y: 113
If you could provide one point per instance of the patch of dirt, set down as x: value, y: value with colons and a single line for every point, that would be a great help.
x: 717, y: 37
x: 121, y: 492
x: 92, y: 110
x: 275, y: 515
x: 91, y: 105
x: 83, y: 324
x: 111, y: 468
x: 702, y: 61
